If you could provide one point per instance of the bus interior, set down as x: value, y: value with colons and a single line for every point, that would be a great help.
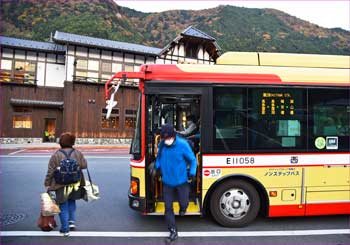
x: 171, y: 109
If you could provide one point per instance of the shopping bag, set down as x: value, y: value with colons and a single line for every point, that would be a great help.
x: 92, y: 192
x: 48, y: 205
x: 46, y: 223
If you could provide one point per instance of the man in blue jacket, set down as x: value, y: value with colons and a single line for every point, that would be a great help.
x: 174, y: 155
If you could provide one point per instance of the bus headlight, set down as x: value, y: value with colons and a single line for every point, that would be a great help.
x: 134, y: 186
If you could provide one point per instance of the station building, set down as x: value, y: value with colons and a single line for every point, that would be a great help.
x: 52, y: 87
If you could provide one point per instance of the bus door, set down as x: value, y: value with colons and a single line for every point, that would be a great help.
x: 173, y: 109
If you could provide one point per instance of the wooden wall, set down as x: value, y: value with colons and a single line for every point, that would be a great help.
x: 39, y: 114
x: 83, y: 117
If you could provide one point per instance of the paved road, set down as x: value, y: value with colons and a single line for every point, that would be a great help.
x: 111, y: 221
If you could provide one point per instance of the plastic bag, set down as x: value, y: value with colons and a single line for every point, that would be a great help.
x: 48, y: 205
x: 46, y: 223
x: 91, y: 192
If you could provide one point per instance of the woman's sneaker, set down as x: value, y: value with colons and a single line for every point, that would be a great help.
x: 65, y: 233
x: 71, y: 225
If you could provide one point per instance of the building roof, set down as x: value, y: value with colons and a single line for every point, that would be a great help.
x: 30, y: 44
x: 194, y: 32
x: 63, y: 37
x: 37, y: 103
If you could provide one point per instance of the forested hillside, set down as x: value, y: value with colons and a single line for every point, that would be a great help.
x: 235, y: 28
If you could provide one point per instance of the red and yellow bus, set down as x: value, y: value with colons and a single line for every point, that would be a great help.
x: 273, y: 134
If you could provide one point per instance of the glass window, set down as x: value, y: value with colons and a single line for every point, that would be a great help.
x: 229, y: 119
x: 191, y: 51
x: 22, y: 118
x: 6, y: 64
x: 93, y: 65
x: 24, y: 71
x: 277, y: 119
x: 130, y: 119
x: 112, y: 122
x: 129, y: 68
x: 329, y: 119
x: 81, y: 64
x: 6, y: 52
x: 106, y: 67
x: 81, y: 73
x: 116, y: 67
x: 51, y: 57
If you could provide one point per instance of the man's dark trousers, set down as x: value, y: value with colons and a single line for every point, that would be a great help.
x: 169, y: 197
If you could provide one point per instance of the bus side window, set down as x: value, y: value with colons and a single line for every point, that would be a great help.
x: 330, y: 117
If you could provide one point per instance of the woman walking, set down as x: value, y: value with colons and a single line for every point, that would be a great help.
x: 66, y: 194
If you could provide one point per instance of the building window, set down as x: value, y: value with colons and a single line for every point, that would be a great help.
x: 81, y: 64
x: 6, y: 68
x: 191, y: 52
x: 24, y: 71
x: 130, y: 119
x: 112, y: 122
x: 22, y: 118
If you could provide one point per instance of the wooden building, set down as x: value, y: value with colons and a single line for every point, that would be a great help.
x: 52, y: 87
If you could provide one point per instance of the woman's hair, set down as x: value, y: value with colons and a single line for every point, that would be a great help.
x: 67, y: 140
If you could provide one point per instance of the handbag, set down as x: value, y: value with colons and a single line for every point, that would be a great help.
x: 47, y: 223
x: 90, y: 192
x: 48, y: 205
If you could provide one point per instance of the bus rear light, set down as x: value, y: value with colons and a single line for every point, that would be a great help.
x: 273, y: 193
x: 134, y: 186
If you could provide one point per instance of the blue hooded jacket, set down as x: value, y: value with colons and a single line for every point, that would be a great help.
x: 173, y: 161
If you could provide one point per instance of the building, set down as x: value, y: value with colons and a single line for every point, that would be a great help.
x: 52, y: 87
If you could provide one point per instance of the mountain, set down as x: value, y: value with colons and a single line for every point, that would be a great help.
x: 235, y: 28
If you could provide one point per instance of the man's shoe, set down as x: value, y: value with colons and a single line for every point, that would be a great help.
x: 173, y: 235
x: 182, y: 212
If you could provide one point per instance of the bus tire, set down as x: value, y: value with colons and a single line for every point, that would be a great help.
x: 235, y: 203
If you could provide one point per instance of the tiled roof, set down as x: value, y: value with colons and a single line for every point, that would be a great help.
x: 30, y: 44
x: 191, y: 31
x: 38, y: 103
x: 63, y: 37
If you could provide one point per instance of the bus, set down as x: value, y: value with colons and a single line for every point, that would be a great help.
x: 273, y: 134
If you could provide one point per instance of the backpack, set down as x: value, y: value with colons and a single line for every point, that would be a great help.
x: 69, y: 170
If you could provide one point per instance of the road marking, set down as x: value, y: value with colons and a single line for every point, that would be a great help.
x: 181, y: 234
x: 48, y: 156
x: 12, y: 153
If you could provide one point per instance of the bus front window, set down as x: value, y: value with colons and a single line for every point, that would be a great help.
x: 135, y: 149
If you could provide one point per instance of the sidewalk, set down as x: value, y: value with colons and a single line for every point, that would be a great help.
x: 47, y: 146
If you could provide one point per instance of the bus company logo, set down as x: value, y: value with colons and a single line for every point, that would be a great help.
x: 294, y: 159
x: 212, y: 173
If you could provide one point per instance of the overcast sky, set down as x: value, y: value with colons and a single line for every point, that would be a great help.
x: 327, y: 14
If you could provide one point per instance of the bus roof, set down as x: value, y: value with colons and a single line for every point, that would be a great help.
x: 252, y: 68
x: 284, y: 59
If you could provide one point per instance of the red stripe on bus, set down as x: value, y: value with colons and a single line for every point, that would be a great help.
x: 286, y: 210
x: 327, y: 208
x: 268, y: 166
x: 271, y: 154
x: 309, y: 209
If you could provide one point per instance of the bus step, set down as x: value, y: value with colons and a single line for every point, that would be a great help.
x: 192, y: 209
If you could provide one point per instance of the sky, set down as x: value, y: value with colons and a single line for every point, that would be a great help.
x: 329, y: 14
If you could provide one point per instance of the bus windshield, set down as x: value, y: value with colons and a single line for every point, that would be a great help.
x: 135, y: 149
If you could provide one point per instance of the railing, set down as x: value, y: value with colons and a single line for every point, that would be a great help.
x: 17, y: 80
x: 101, y: 80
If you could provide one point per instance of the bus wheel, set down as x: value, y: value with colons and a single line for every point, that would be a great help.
x: 235, y: 203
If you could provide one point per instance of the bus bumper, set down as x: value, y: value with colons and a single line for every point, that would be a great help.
x: 137, y: 203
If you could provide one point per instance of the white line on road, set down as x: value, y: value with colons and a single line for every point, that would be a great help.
x: 48, y: 156
x: 181, y: 234
x: 12, y: 153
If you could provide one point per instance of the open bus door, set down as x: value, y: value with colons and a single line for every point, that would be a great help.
x: 170, y: 108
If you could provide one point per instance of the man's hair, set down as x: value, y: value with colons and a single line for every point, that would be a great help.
x: 67, y: 140
x: 191, y: 118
